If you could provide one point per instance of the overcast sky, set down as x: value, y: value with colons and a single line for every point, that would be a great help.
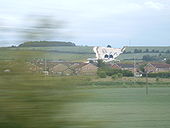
x: 97, y: 22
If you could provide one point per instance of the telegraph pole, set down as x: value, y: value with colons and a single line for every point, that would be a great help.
x: 45, y: 64
x: 147, y: 83
x: 134, y: 70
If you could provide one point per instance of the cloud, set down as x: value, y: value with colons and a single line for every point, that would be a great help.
x: 154, y: 5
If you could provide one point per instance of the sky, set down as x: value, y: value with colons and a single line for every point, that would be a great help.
x: 94, y: 22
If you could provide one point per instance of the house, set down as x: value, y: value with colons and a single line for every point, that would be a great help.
x: 124, y: 66
x: 59, y: 69
x: 157, y: 67
x: 87, y: 69
x: 68, y: 68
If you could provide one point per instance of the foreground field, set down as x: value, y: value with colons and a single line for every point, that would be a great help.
x: 125, y: 108
x: 35, y: 101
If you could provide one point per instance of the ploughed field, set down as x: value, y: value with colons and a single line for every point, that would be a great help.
x: 29, y: 100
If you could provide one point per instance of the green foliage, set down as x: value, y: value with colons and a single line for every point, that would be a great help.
x: 101, y: 64
x: 130, y: 52
x: 127, y: 73
x: 160, y: 74
x: 111, y: 71
x: 120, y: 75
x: 114, y: 76
x: 151, y: 58
x: 109, y: 46
x: 157, y: 79
x: 137, y: 51
x: 101, y: 74
x: 168, y: 61
x: 141, y: 68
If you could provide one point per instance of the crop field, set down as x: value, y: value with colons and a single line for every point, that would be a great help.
x: 32, y: 100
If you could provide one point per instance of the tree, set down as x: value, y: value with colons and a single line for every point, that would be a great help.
x: 151, y: 58
x: 146, y: 51
x: 168, y: 61
x: 109, y: 46
x: 100, y: 63
x: 137, y: 51
x: 142, y: 68
x: 101, y: 74
x: 114, y: 76
x: 167, y: 51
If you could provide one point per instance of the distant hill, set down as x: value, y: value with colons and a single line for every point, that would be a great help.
x: 46, y: 44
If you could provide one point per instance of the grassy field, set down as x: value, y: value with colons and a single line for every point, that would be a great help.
x: 32, y: 101
x: 125, y: 108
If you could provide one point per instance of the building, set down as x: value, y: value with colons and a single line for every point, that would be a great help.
x: 58, y: 69
x: 87, y: 69
x: 157, y: 67
x: 124, y: 66
x: 107, y: 53
x: 73, y: 69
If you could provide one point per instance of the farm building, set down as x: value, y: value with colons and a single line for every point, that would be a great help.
x: 157, y: 67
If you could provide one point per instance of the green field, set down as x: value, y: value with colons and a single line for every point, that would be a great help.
x: 125, y: 108
x: 32, y: 101
x: 50, y: 53
x: 139, y: 56
x: 74, y: 53
x: 150, y: 48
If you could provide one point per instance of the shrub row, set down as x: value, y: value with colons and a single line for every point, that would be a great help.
x: 160, y: 74
x: 103, y: 72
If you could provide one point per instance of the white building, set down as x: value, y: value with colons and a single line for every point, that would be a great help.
x: 107, y: 54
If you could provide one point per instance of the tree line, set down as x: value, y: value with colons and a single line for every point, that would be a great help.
x: 145, y: 51
x: 46, y: 44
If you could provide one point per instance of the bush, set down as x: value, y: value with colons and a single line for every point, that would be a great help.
x: 119, y: 75
x: 168, y: 61
x: 127, y: 73
x: 101, y: 74
x: 111, y: 71
x: 114, y: 76
x: 160, y: 74
x: 157, y: 79
x: 151, y: 58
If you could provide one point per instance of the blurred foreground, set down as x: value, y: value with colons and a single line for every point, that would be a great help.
x: 32, y: 100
